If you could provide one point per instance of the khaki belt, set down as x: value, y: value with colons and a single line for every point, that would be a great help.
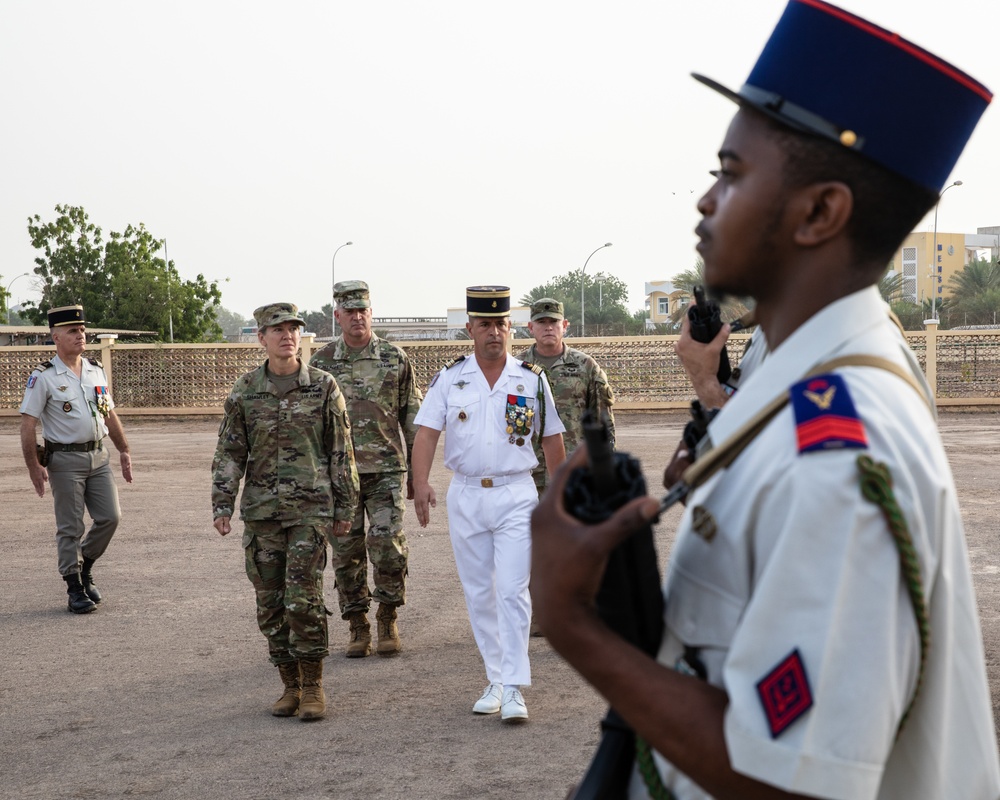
x: 78, y: 447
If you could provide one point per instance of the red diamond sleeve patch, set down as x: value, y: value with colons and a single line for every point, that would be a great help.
x: 784, y: 693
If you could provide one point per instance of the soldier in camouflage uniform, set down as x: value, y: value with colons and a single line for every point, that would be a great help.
x: 382, y: 398
x: 577, y: 382
x: 286, y: 428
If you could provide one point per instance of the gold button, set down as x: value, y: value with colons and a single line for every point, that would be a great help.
x: 848, y: 138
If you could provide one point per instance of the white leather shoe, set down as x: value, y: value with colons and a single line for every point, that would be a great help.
x: 489, y: 703
x: 512, y: 707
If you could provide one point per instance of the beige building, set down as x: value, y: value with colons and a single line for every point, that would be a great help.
x: 662, y: 300
x: 926, y: 272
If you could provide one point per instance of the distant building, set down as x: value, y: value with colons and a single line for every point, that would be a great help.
x: 519, y: 318
x: 926, y: 273
x: 662, y: 300
x: 411, y: 329
x: 39, y: 334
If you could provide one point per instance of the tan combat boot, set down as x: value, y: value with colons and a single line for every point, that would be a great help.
x: 360, y: 643
x: 312, y: 705
x: 288, y: 703
x: 388, y: 634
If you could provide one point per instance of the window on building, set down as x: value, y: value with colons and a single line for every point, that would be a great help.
x: 663, y: 306
x: 910, y: 274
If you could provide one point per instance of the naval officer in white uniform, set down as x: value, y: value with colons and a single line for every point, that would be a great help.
x: 492, y: 406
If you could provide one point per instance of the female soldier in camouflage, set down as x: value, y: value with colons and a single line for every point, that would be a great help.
x: 286, y: 428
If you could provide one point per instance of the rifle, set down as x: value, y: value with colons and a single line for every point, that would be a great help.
x: 629, y: 600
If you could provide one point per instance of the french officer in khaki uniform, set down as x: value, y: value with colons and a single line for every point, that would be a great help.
x: 70, y: 396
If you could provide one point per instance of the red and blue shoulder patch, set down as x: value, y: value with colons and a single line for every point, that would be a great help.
x: 825, y: 417
x: 784, y: 693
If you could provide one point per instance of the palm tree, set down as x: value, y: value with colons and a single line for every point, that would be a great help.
x: 731, y: 307
x: 975, y: 293
x: 890, y: 286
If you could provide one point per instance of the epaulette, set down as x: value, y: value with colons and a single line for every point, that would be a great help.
x: 825, y: 417
x: 533, y: 367
x: 96, y: 363
x: 445, y: 368
x: 33, y: 378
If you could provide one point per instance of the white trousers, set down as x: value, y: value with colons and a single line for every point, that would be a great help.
x: 490, y: 532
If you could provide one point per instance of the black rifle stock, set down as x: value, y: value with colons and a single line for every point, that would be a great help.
x: 630, y: 599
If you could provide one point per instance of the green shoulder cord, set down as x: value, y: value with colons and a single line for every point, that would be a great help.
x: 876, y: 486
x: 541, y: 406
x: 650, y: 774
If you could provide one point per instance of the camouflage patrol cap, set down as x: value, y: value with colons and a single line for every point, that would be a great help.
x: 546, y: 308
x: 276, y: 313
x: 352, y: 294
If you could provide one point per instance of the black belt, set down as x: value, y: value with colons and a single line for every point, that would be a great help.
x: 78, y: 447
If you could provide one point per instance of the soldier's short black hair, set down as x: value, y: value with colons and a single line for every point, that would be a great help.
x: 887, y: 206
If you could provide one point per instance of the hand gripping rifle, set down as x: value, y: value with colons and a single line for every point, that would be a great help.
x: 629, y: 600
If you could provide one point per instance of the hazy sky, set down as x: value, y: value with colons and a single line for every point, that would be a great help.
x: 454, y: 143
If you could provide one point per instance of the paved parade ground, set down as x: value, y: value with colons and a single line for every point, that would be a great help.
x: 164, y: 691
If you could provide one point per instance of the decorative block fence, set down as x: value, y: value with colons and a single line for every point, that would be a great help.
x: 964, y: 367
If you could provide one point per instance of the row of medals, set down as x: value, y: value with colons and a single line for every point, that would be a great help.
x: 518, y: 422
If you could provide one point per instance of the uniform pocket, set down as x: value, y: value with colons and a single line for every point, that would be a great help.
x: 462, y: 417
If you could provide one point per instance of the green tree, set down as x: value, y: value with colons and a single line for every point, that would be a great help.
x: 975, y: 294
x: 120, y: 282
x: 891, y: 287
x: 318, y: 322
x: 605, y: 298
x: 231, y: 322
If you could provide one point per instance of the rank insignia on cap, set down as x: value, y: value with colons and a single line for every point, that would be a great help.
x: 784, y: 693
x: 825, y: 417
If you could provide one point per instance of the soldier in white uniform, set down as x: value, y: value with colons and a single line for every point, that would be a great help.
x: 821, y: 633
x: 71, y: 397
x: 493, y: 406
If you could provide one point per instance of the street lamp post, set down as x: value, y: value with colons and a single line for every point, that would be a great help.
x: 333, y: 278
x: 170, y: 305
x: 8, y: 295
x: 582, y: 310
x: 935, y: 279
